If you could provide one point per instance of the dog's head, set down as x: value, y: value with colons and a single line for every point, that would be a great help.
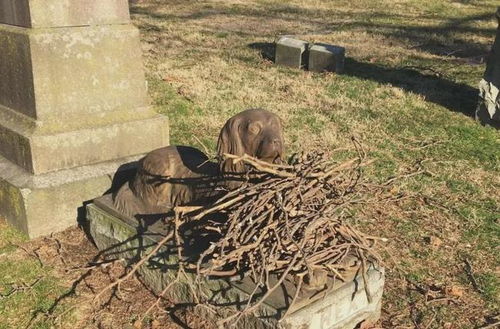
x: 255, y: 132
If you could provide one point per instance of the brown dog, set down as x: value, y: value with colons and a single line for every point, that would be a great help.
x: 181, y: 175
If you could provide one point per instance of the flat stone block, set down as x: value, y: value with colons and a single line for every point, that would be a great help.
x: 42, y: 152
x: 340, y: 305
x: 323, y: 57
x: 57, y: 76
x: 41, y: 205
x: 291, y: 52
x: 60, y: 13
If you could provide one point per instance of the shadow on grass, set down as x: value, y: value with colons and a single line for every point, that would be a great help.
x: 267, y: 49
x: 456, y: 97
x: 452, y: 35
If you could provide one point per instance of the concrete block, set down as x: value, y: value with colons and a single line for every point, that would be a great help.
x: 59, y: 76
x: 323, y: 57
x: 43, y: 204
x: 41, y: 152
x: 59, y: 13
x: 341, y: 305
x: 291, y: 52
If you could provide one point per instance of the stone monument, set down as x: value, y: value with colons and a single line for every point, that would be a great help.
x: 73, y: 107
x: 488, y: 109
x: 291, y: 52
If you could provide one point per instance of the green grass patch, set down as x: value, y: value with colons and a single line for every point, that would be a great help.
x: 9, y: 237
x: 27, y: 289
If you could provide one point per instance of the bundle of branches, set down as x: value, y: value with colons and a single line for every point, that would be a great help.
x: 289, y: 221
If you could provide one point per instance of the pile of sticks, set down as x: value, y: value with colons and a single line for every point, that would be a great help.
x: 289, y: 220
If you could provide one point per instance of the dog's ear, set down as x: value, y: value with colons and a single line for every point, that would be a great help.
x: 230, y: 142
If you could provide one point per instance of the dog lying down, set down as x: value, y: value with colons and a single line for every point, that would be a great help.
x: 181, y: 175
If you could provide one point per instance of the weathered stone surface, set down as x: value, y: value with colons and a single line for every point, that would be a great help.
x: 40, y: 205
x: 488, y: 110
x: 72, y: 98
x: 344, y: 308
x: 16, y: 82
x: 58, y: 13
x: 323, y: 57
x: 40, y: 152
x: 339, y: 306
x: 15, y: 12
x: 291, y: 52
x: 56, y: 75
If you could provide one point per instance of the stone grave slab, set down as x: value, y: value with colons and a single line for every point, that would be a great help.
x: 291, y: 52
x: 323, y: 57
x: 338, y: 305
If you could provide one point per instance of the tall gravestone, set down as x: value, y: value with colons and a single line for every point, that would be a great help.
x: 73, y: 107
x: 488, y: 110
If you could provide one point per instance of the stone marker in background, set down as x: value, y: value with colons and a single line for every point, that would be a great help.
x: 323, y: 57
x: 73, y: 107
x: 291, y: 52
x: 488, y: 109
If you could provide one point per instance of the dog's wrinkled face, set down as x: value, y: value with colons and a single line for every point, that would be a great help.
x: 255, y: 132
x: 260, y: 133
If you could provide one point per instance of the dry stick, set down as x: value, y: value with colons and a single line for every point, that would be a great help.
x: 22, y: 288
x: 219, y: 207
x: 266, y: 295
x: 491, y: 325
x: 257, y: 286
x: 252, y: 160
x: 136, y: 266
x: 205, y: 148
x: 431, y: 321
x: 340, y: 167
x: 295, y: 296
x: 365, y: 281
x: 160, y: 296
x: 262, y: 166
x: 178, y: 242
x: 186, y: 209
x: 470, y: 274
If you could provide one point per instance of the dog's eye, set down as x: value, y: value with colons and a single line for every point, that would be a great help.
x: 254, y: 128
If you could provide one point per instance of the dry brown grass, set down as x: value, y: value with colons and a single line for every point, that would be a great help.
x: 409, y: 87
x: 408, y: 91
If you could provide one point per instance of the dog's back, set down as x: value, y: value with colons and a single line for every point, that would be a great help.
x: 167, y: 177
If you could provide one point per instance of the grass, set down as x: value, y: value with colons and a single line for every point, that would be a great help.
x: 27, y: 288
x: 408, y: 94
